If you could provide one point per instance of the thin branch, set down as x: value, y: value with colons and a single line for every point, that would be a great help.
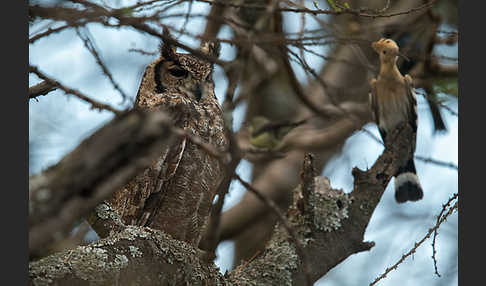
x: 420, y: 158
x: 356, y: 12
x: 212, y: 236
x: 88, y: 43
x: 50, y: 31
x: 145, y: 53
x: 417, y: 244
x: 100, y: 14
x: 298, y: 89
x: 41, y: 88
x: 444, y: 207
x: 94, y: 104
x: 186, y: 18
x: 437, y: 162
x: 451, y: 111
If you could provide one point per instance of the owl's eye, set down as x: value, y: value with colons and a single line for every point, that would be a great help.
x: 178, y: 72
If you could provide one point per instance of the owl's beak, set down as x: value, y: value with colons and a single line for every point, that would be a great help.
x: 198, y: 91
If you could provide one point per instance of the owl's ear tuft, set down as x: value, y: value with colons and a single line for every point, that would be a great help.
x: 211, y: 48
x: 167, y: 50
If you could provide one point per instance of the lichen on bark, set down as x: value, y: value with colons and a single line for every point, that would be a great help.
x: 134, y: 256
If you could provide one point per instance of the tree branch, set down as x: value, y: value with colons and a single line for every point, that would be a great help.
x: 134, y: 256
x: 52, y: 82
x: 100, y: 165
x: 331, y: 233
x: 41, y: 88
x: 335, y: 229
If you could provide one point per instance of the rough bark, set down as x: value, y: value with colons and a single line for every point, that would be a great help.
x: 39, y: 89
x: 333, y: 231
x: 330, y: 224
x: 134, y: 256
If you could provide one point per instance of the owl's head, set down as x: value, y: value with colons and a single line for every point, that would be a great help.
x: 178, y: 74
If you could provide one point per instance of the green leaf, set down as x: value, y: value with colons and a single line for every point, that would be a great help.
x: 333, y: 5
x: 446, y: 85
x: 126, y: 11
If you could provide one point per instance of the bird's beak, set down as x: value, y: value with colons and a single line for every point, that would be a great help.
x: 198, y: 91
x: 403, y: 56
x: 374, y: 45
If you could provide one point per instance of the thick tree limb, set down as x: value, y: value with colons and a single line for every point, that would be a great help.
x: 100, y: 165
x: 134, y: 256
x: 329, y: 223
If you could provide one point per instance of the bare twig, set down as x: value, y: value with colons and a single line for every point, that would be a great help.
x: 420, y: 158
x: 417, y: 244
x: 437, y: 162
x: 41, y: 88
x: 444, y: 207
x: 451, y: 111
x: 95, y: 104
x: 52, y: 31
x: 145, y: 53
x: 88, y: 43
x: 356, y: 12
x: 186, y: 18
x: 211, y: 239
x: 99, y: 14
x: 298, y: 89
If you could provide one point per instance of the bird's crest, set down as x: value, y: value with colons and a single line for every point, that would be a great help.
x: 384, y: 46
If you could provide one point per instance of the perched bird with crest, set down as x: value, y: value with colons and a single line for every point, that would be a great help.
x: 175, y: 194
x: 393, y: 101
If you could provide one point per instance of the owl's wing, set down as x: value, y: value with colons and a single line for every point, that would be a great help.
x: 167, y: 167
x: 170, y: 162
x: 135, y: 201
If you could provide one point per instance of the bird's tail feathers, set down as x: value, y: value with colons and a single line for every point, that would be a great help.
x: 408, y: 188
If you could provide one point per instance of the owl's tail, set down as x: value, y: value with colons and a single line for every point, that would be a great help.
x: 407, y: 185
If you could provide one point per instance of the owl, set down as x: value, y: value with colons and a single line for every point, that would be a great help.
x: 175, y: 194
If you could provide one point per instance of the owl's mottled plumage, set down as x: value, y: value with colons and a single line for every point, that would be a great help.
x: 176, y: 193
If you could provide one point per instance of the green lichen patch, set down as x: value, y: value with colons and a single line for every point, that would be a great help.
x: 86, y: 263
x: 330, y: 205
x: 142, y: 254
x: 274, y: 267
x: 134, y: 251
